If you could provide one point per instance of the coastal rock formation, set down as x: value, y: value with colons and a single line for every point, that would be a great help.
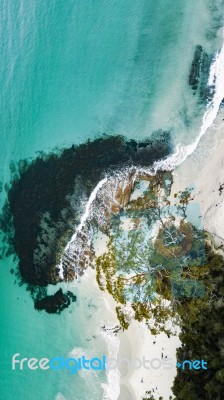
x: 195, y: 72
x: 56, y: 303
x: 48, y: 198
x: 199, y: 73
x: 110, y: 198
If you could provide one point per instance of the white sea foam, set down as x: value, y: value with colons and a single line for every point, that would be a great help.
x: 216, y: 84
x: 79, y: 352
x: 59, y: 396
x: 111, y: 388
x: 72, y: 243
x: 85, y: 216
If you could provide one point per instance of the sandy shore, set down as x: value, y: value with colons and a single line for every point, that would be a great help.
x: 136, y: 343
x: 204, y: 170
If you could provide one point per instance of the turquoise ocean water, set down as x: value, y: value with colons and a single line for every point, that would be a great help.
x: 71, y: 70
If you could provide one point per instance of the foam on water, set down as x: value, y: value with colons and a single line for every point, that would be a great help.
x: 216, y: 84
x: 59, y: 396
x: 72, y: 244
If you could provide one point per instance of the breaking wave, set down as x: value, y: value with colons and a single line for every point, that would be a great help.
x: 216, y: 86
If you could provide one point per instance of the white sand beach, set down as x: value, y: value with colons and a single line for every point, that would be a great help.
x: 135, y: 343
x: 204, y: 170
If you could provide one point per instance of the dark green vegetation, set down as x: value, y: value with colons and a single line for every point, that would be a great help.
x: 202, y: 333
x: 134, y: 272
x: 135, y: 269
x: 138, y: 289
x: 149, y: 396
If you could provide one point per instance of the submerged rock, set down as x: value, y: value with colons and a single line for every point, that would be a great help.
x: 56, y: 303
x: 57, y: 201
x: 49, y: 197
x: 195, y: 72
x: 199, y: 73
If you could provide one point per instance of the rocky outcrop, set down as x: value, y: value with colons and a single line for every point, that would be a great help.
x: 199, y: 73
x: 195, y: 71
x: 47, y: 199
x: 56, y: 303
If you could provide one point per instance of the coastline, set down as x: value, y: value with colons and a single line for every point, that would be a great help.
x: 135, y: 343
x: 203, y: 171
x: 144, y: 344
x: 208, y: 193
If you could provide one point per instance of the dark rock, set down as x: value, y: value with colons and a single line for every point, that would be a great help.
x: 56, y: 303
x: 45, y: 200
x: 195, y: 71
x: 199, y: 73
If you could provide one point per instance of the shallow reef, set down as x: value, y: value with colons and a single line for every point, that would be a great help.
x: 46, y: 197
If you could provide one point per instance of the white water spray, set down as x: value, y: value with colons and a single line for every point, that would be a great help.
x: 86, y: 214
x: 216, y: 80
x: 71, y: 244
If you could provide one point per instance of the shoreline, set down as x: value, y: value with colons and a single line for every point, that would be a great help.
x: 144, y: 344
x: 135, y: 343
x: 209, y: 194
x: 203, y: 170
